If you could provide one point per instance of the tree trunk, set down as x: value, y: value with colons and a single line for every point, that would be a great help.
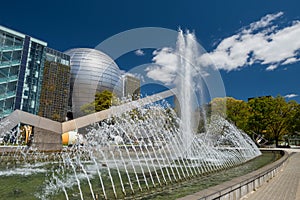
x: 277, y: 141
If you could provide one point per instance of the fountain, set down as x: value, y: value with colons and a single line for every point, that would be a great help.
x: 135, y: 152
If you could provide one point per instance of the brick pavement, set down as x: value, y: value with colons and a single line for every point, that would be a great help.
x: 284, y: 186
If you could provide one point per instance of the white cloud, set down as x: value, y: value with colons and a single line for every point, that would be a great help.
x: 290, y: 61
x: 139, y: 52
x: 290, y: 96
x: 265, y: 21
x: 165, y: 66
x: 271, y: 67
x: 260, y: 42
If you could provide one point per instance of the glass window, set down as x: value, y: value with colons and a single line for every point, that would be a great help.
x: 14, y: 70
x: 9, y: 104
x: 16, y: 55
x: 18, y: 42
x: 1, y: 105
x: 4, y: 72
x: 6, y: 56
x: 9, y: 40
x: 1, y: 39
x: 2, y: 89
x: 11, y: 86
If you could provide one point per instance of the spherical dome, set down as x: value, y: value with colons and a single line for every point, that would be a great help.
x: 91, y: 71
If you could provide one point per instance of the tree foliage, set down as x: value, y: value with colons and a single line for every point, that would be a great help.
x: 103, y: 101
x: 267, y: 116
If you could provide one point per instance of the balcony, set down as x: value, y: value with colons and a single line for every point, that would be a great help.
x: 10, y: 48
x: 9, y: 79
x: 9, y: 64
x: 7, y: 95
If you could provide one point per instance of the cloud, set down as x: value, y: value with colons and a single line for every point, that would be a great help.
x: 139, y: 52
x: 264, y: 21
x: 290, y: 61
x: 164, y: 67
x: 271, y: 67
x: 290, y: 96
x: 260, y: 42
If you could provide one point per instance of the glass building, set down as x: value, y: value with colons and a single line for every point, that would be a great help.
x: 21, y: 71
x: 91, y: 71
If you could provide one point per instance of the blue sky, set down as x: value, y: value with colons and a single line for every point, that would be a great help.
x: 254, y: 44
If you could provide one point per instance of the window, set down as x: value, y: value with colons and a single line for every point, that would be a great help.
x: 9, y: 40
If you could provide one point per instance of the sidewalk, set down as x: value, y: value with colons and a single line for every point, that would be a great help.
x: 284, y: 186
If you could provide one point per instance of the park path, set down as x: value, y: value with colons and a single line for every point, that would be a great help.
x: 284, y: 186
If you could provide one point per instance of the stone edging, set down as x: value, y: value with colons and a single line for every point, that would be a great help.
x: 240, y: 186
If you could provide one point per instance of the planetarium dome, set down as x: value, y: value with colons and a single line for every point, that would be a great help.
x: 91, y: 71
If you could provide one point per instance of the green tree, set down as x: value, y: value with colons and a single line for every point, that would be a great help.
x: 295, y: 120
x: 272, y: 117
x: 268, y: 116
x: 103, y: 101
x: 260, y: 108
x: 280, y: 118
x: 236, y: 111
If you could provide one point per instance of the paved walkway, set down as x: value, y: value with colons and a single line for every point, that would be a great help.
x: 284, y: 186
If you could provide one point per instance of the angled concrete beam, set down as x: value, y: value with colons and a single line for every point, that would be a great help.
x: 19, y: 116
x: 113, y: 111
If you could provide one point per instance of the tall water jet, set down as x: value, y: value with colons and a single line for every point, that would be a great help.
x: 187, y: 53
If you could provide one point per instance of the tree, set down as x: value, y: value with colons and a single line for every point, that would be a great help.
x: 260, y: 109
x: 295, y: 120
x: 272, y: 116
x: 267, y: 116
x: 236, y: 111
x: 279, y: 119
x: 103, y: 100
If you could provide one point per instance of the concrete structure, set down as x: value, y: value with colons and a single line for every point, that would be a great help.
x: 52, y: 140
x: 285, y: 185
x: 91, y: 71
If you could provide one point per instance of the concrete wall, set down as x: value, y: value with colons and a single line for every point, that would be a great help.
x: 45, y: 140
x: 240, y: 186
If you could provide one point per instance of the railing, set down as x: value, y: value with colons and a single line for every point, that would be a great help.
x: 9, y: 79
x: 9, y: 63
x: 10, y: 48
x: 239, y: 187
x: 7, y: 95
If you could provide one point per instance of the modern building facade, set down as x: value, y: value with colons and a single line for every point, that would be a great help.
x: 21, y: 71
x: 44, y: 81
x: 131, y: 87
x: 91, y: 71
x: 56, y: 86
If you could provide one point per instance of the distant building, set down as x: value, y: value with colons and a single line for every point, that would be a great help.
x: 131, y: 86
x: 21, y: 71
x: 56, y: 86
